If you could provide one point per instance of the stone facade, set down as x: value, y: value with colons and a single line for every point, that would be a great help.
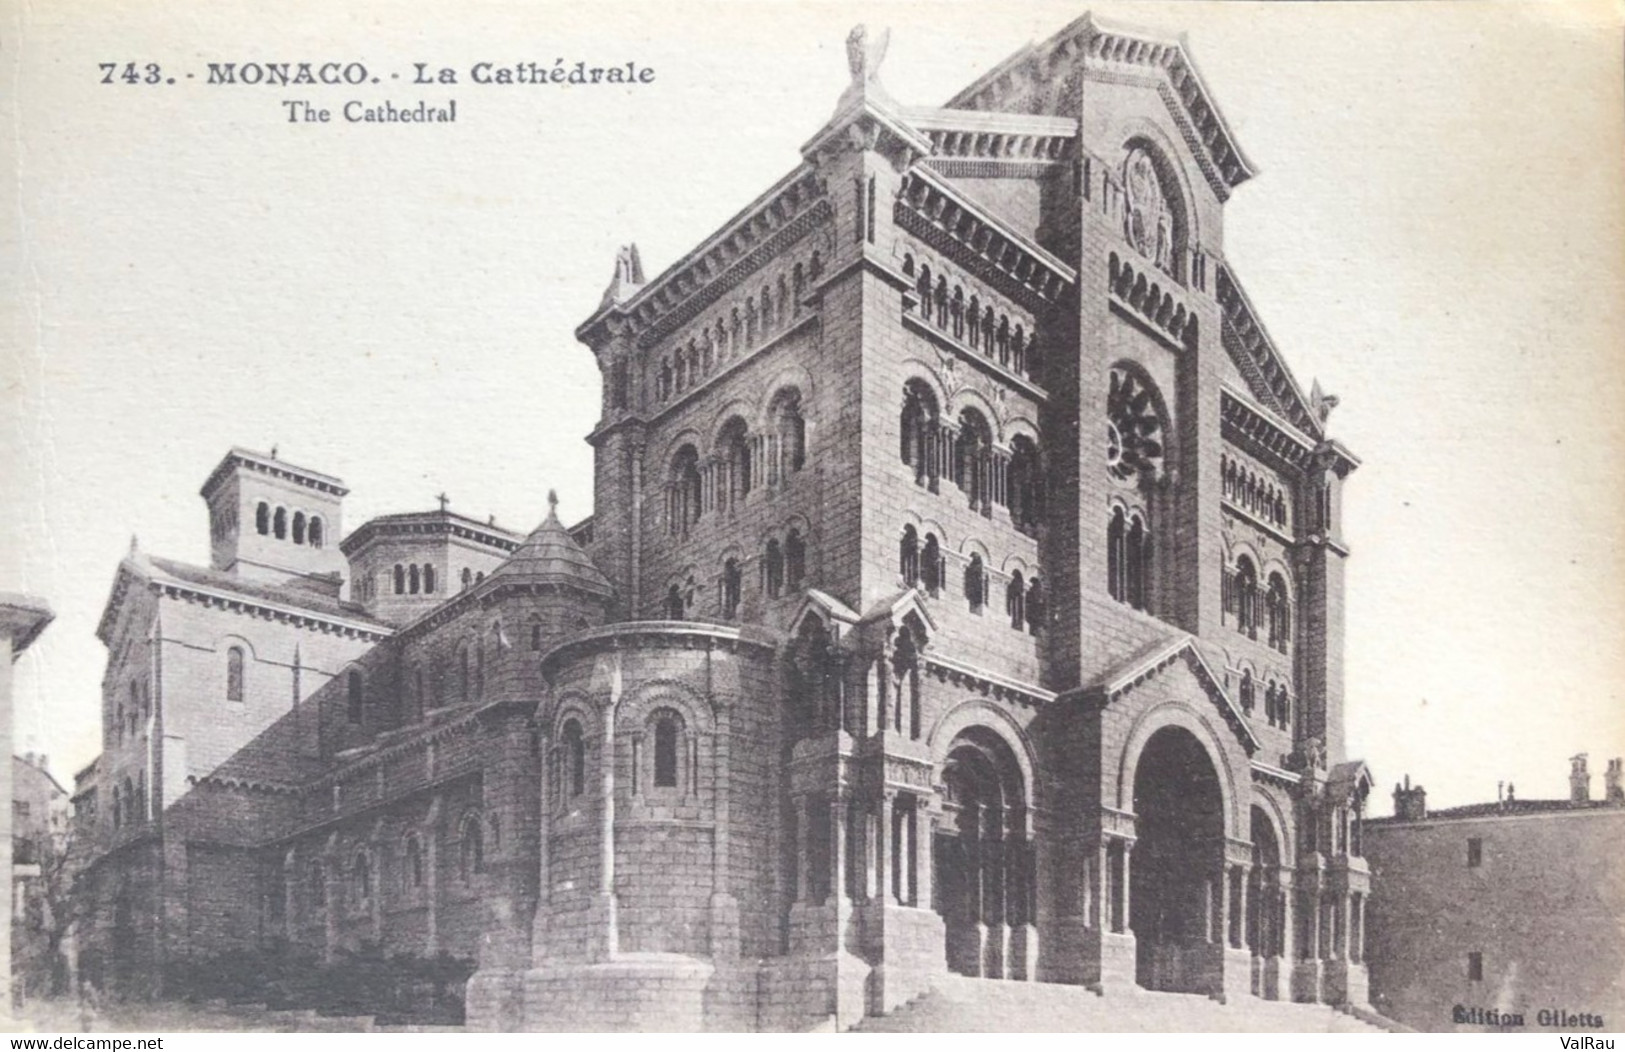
x: 963, y: 592
x: 1501, y: 916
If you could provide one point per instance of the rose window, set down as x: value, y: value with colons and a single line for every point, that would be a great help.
x: 1133, y: 427
x: 1147, y: 219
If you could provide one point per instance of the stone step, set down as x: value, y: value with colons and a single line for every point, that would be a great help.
x: 960, y: 1004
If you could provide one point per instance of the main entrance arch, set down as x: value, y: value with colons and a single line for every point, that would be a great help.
x: 983, y: 863
x: 1178, y: 863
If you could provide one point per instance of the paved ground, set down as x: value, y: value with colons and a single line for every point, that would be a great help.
x: 67, y: 1017
x: 958, y: 1005
x: 991, y: 1005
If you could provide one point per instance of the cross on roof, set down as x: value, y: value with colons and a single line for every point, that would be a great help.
x: 443, y: 499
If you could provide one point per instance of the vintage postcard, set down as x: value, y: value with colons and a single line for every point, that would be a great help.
x: 814, y: 517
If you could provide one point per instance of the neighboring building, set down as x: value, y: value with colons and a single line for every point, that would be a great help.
x: 1501, y: 916
x: 39, y: 883
x: 964, y: 591
x: 22, y: 619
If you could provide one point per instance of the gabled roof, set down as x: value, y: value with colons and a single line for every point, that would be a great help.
x: 1120, y: 49
x: 24, y: 617
x: 141, y: 570
x: 896, y: 608
x: 1152, y: 661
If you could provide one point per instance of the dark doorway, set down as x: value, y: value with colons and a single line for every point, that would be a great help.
x: 981, y: 863
x: 1177, y: 864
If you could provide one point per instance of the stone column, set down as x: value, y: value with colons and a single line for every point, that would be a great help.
x: 1105, y: 896
x: 1243, y: 875
x: 925, y: 838
x: 546, y: 765
x: 1128, y: 855
x: 724, y: 907
x: 431, y: 862
x: 804, y: 824
x: 1285, y: 917
x: 605, y: 938
x: 882, y: 869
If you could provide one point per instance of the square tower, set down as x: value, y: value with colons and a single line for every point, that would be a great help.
x: 273, y: 522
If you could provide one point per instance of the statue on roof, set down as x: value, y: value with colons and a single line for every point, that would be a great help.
x: 628, y: 277
x: 1321, y: 403
x: 863, y: 57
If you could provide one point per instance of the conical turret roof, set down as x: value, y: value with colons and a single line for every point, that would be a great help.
x: 551, y: 556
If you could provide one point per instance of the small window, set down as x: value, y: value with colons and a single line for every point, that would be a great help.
x: 279, y: 524
x: 471, y: 850
x: 666, y: 753
x: 1475, y: 967
x: 299, y: 527
x: 414, y: 862
x: 362, y: 872
x: 1475, y: 852
x: 400, y: 579
x: 315, y: 531
x: 353, y: 696
x: 234, y: 674
x: 262, y: 518
x: 731, y: 581
x: 318, y: 885
x: 575, y: 749
x: 428, y: 579
x: 536, y: 635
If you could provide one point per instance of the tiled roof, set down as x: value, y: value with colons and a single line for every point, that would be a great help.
x: 550, y: 555
x: 283, y: 595
x: 1502, y: 808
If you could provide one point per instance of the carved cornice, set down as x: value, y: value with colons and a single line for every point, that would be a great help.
x: 656, y: 635
x: 934, y: 211
x: 1105, y: 692
x: 1256, y: 355
x: 1271, y: 775
x: 786, y: 213
x: 1107, y: 52
x: 270, y: 611
x: 430, y: 524
x: 989, y: 684
x: 274, y: 468
x: 1256, y: 430
x: 980, y: 135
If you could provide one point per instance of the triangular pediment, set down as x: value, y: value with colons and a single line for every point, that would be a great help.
x: 1156, y: 660
x: 896, y: 609
x: 1035, y: 80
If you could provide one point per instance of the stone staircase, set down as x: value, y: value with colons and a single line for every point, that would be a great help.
x: 959, y: 1005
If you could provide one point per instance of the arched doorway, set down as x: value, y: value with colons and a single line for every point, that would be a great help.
x: 983, y: 863
x: 1178, y: 862
x: 1266, y: 907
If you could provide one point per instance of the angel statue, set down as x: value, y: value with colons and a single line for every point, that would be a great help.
x: 862, y: 57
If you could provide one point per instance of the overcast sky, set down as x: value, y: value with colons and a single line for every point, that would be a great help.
x: 1435, y: 232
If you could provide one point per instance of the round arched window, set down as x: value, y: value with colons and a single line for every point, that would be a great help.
x: 1133, y: 426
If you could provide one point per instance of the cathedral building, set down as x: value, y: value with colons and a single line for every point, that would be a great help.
x: 963, y: 593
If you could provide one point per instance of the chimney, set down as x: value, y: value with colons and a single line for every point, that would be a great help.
x: 1410, y: 805
x: 1616, y: 771
x: 1579, y: 780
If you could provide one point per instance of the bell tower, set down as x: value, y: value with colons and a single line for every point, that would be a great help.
x: 273, y: 522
